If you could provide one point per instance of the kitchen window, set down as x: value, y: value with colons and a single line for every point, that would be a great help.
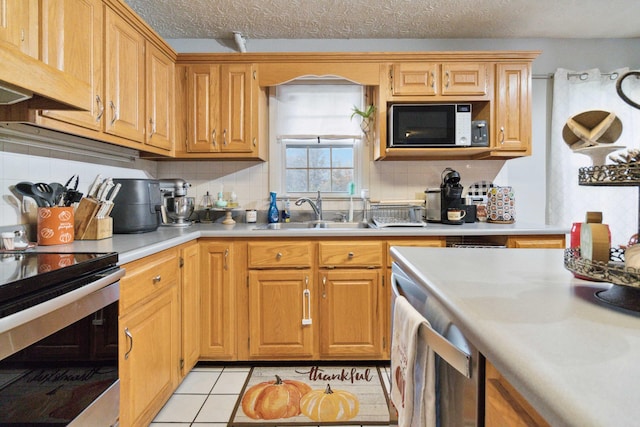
x: 315, y: 144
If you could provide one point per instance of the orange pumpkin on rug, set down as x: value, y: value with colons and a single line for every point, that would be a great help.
x: 329, y: 405
x: 271, y: 400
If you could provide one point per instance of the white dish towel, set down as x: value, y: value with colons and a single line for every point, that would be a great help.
x: 412, y: 368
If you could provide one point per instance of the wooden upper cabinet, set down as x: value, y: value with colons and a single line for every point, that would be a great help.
x: 235, y: 108
x: 203, y: 108
x: 512, y: 130
x: 449, y: 78
x: 414, y: 78
x: 19, y: 25
x: 160, y: 81
x: 220, y: 102
x: 124, y: 79
x: 464, y: 78
x: 72, y: 42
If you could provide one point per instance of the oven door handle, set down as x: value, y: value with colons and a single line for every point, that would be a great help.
x: 449, y: 352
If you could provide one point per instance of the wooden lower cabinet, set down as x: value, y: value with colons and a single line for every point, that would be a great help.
x: 218, y: 286
x: 189, y: 306
x: 282, y: 314
x: 504, y: 406
x: 352, y: 308
x: 149, y: 336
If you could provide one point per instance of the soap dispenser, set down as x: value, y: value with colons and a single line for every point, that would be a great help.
x: 273, y: 214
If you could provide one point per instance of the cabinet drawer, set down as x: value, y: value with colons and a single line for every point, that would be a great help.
x: 146, y: 276
x: 280, y: 254
x: 349, y: 254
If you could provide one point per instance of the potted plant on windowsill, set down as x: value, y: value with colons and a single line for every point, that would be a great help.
x: 366, y: 117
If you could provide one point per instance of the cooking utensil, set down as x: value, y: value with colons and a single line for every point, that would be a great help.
x: 25, y: 189
x: 58, y: 191
x: 93, y: 189
x: 44, y: 192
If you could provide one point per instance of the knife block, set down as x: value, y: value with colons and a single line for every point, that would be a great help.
x: 87, y: 226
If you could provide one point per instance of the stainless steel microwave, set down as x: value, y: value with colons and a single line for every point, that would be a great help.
x: 429, y: 125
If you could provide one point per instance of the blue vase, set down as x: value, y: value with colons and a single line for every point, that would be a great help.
x: 273, y: 209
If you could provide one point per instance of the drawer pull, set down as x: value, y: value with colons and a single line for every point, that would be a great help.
x: 351, y: 255
x: 279, y: 255
x: 157, y: 279
x: 130, y: 339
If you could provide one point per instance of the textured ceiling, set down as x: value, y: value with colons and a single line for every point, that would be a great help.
x: 390, y: 19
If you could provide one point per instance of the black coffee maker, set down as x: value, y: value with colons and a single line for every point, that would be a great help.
x: 450, y: 195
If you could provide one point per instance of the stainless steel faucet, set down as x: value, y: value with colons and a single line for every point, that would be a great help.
x: 317, y: 206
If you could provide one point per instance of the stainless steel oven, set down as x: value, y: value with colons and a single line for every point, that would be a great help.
x: 459, y: 366
x: 58, y: 338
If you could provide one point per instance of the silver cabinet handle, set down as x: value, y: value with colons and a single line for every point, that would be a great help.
x: 130, y: 339
x: 224, y: 137
x: 153, y: 127
x: 447, y: 83
x: 226, y: 258
x: 306, y: 303
x: 157, y: 279
x: 501, y: 134
x: 100, y: 108
x: 114, y: 112
x: 351, y: 255
x: 213, y: 137
x: 279, y: 255
x: 433, y: 80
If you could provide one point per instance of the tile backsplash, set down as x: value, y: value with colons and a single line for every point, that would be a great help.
x: 387, y: 180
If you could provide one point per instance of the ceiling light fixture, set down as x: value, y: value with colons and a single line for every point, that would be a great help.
x: 241, y: 42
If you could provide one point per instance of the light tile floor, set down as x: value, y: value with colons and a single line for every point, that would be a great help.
x: 207, y: 396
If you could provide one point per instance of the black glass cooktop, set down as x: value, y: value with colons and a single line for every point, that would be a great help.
x: 30, y: 277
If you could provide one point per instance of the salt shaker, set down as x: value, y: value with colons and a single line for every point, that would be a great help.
x: 8, y: 240
x: 20, y: 239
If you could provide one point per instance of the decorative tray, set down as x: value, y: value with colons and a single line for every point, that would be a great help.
x: 613, y: 175
x: 613, y: 272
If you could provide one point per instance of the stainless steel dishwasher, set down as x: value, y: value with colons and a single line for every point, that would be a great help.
x: 459, y: 366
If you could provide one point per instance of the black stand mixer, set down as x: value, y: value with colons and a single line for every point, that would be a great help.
x: 450, y: 195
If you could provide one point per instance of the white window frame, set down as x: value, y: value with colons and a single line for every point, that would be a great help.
x: 277, y: 159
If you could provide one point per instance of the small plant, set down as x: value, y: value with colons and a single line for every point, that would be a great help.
x: 366, y: 114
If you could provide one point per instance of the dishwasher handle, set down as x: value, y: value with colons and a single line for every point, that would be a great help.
x: 450, y: 353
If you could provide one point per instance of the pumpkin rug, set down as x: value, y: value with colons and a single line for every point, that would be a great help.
x: 315, y: 395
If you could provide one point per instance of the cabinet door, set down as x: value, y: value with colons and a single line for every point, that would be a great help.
x: 203, y: 109
x: 281, y: 314
x: 235, y: 108
x: 414, y: 78
x: 160, y: 79
x: 218, y: 302
x: 72, y: 42
x: 124, y: 79
x: 504, y: 406
x: 352, y: 313
x: 462, y: 78
x: 513, y: 107
x: 149, y: 355
x: 19, y: 25
x: 190, y: 305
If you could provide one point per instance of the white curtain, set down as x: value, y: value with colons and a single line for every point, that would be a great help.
x: 567, y: 202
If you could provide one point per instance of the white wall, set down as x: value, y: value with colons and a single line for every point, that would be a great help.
x: 396, y: 179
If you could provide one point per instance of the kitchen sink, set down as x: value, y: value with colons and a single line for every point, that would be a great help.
x: 315, y: 225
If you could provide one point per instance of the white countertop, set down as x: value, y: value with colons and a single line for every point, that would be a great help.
x: 575, y: 359
x: 133, y: 246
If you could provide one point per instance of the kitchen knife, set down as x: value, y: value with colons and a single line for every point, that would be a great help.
x: 93, y: 189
